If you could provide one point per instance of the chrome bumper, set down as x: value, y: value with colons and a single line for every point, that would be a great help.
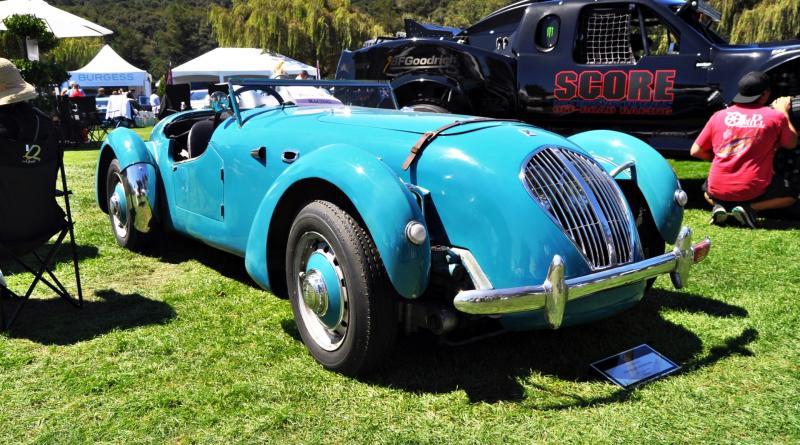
x: 556, y: 291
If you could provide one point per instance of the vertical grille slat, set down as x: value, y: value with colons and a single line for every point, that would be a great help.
x: 581, y: 222
x: 610, y: 207
x: 581, y: 231
x: 584, y: 201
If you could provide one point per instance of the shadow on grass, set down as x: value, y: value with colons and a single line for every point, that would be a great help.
x: 770, y: 220
x: 174, y: 248
x: 64, y: 255
x: 56, y: 322
x: 491, y: 370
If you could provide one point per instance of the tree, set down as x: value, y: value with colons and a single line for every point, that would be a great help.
x: 75, y: 53
x: 769, y: 20
x: 462, y: 13
x: 306, y: 30
x: 41, y: 74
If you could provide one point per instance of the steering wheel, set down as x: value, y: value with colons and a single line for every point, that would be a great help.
x: 266, y: 89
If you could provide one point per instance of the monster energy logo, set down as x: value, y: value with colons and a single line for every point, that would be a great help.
x: 551, y: 31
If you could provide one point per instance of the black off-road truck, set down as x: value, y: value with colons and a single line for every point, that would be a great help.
x: 653, y: 68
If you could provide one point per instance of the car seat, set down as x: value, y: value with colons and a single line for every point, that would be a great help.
x: 200, y: 136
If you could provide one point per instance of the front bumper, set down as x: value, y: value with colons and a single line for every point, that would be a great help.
x: 556, y: 291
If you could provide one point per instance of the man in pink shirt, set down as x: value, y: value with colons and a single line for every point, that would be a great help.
x: 740, y: 141
x: 75, y: 90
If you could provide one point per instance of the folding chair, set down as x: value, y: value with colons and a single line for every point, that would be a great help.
x: 89, y: 117
x: 30, y: 215
x: 174, y: 95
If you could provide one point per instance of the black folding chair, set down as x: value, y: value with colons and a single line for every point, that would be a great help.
x: 89, y: 118
x: 174, y: 96
x: 30, y: 215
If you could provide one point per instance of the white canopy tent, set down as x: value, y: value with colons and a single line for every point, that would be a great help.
x: 220, y: 64
x: 109, y: 69
x: 61, y: 23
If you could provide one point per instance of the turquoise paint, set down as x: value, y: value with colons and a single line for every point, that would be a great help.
x: 655, y: 176
x: 119, y: 192
x: 381, y: 199
x: 318, y: 262
x: 471, y: 173
x: 584, y: 310
x: 128, y: 148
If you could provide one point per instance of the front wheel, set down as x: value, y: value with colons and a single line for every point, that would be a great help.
x: 342, y: 301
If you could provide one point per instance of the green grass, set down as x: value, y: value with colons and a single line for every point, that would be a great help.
x: 179, y: 346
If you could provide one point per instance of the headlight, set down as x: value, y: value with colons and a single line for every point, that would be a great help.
x: 416, y: 233
x: 681, y: 198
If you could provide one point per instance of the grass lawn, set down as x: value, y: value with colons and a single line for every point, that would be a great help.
x: 179, y: 346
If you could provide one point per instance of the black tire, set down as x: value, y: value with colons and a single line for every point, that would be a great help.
x: 428, y: 106
x: 124, y: 232
x: 367, y: 323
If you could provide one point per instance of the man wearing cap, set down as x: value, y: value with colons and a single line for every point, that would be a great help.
x: 740, y: 141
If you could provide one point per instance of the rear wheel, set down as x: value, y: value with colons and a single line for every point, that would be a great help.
x: 342, y: 301
x: 119, y: 213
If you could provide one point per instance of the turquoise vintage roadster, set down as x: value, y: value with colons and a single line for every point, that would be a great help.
x: 376, y: 221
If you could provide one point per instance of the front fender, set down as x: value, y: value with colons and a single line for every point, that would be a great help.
x: 654, y: 176
x: 382, y: 200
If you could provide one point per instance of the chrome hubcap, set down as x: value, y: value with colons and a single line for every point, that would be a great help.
x: 118, y: 209
x: 320, y: 283
x: 315, y: 293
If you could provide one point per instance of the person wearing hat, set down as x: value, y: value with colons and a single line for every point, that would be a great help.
x: 14, y: 107
x: 740, y: 141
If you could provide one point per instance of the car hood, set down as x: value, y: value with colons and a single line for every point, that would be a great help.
x: 471, y: 175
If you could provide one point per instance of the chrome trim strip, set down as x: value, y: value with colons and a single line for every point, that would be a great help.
x: 622, y: 168
x: 479, y: 278
x: 555, y: 292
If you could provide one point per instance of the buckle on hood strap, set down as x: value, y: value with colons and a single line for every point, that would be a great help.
x: 429, y: 136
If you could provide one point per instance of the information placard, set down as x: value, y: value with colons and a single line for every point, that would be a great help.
x: 635, y: 366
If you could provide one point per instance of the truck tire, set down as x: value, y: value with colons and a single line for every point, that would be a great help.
x: 428, y: 106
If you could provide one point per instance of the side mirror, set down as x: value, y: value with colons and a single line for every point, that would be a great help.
x: 219, y: 102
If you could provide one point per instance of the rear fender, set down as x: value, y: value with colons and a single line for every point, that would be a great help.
x: 381, y: 199
x: 137, y: 167
x: 654, y: 176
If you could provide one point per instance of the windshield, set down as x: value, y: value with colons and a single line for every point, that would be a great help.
x: 705, y: 20
x: 258, y: 93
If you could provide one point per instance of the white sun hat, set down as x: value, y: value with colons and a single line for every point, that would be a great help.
x: 13, y: 88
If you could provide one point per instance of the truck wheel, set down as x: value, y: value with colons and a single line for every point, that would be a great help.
x: 341, y: 298
x: 428, y: 106
x: 118, y: 212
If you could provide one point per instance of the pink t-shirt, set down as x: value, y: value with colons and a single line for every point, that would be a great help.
x: 744, y: 139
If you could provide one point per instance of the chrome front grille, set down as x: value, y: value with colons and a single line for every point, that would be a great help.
x: 584, y: 201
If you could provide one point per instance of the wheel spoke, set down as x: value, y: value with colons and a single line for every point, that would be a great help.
x: 327, y: 337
